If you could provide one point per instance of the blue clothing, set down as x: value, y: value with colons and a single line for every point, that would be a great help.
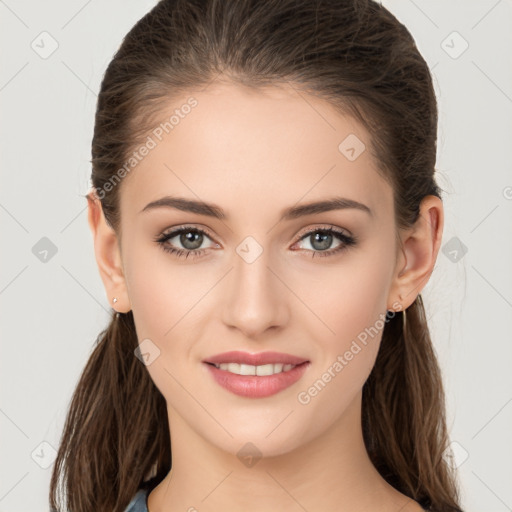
x: 139, y: 502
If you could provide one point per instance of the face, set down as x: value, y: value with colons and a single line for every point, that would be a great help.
x: 314, y: 285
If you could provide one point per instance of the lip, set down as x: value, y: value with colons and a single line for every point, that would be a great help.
x: 257, y: 359
x: 255, y: 386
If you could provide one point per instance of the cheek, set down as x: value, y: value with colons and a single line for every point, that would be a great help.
x: 159, y: 307
x: 163, y: 294
x: 352, y: 307
x: 167, y: 305
x: 347, y: 356
x: 350, y: 297
x: 153, y: 310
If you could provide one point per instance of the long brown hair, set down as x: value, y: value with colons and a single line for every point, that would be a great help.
x: 355, y: 54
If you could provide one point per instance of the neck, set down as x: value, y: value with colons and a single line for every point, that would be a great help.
x: 331, y: 472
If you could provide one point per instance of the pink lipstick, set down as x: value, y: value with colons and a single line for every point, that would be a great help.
x: 256, y: 375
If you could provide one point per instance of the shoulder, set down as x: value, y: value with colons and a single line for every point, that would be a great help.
x: 138, y: 502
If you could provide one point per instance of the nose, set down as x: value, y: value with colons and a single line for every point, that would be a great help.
x: 256, y: 299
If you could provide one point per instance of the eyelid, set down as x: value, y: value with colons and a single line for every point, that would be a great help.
x: 175, y: 230
x: 321, y: 227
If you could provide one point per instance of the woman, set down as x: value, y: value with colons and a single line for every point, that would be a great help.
x: 265, y: 215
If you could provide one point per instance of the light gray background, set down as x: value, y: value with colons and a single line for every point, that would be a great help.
x: 52, y: 311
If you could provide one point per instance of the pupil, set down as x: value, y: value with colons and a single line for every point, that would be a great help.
x: 324, y: 239
x: 192, y: 240
x: 187, y: 240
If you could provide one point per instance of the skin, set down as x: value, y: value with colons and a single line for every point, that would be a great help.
x: 255, y: 153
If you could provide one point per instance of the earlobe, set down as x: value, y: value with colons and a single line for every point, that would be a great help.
x: 420, y: 247
x: 108, y: 255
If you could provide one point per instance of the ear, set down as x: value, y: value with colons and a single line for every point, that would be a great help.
x: 108, y: 255
x: 418, y: 253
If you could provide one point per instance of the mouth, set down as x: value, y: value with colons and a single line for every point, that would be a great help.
x: 259, y: 370
x: 256, y: 375
x: 258, y: 359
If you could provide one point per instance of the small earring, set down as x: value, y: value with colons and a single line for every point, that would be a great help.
x: 114, y: 300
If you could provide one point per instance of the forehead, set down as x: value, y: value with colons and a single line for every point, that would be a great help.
x: 255, y: 147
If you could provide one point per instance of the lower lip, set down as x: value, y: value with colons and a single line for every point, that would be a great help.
x: 253, y: 386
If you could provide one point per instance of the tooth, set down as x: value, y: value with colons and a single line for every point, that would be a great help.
x: 247, y: 369
x: 265, y: 369
x: 230, y: 367
x: 234, y: 368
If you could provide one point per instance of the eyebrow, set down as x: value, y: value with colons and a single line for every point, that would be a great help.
x: 294, y: 212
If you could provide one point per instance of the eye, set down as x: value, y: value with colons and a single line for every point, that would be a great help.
x: 190, y: 239
x: 321, y: 239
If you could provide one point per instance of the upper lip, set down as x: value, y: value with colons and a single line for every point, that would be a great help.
x: 257, y: 359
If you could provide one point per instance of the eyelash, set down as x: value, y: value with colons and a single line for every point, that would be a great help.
x: 347, y: 242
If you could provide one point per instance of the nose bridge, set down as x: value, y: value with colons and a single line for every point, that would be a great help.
x: 255, y: 298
